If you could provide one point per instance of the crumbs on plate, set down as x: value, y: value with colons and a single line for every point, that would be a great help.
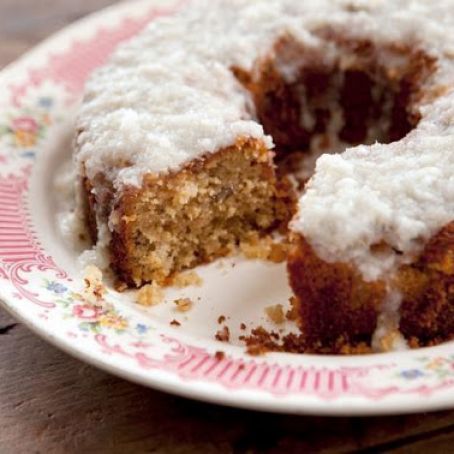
x: 223, y: 335
x: 186, y: 279
x: 150, y: 295
x: 183, y: 304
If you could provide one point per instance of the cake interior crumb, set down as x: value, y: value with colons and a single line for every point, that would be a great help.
x: 202, y: 213
x: 264, y: 248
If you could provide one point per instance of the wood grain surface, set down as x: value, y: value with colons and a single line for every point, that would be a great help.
x: 51, y: 403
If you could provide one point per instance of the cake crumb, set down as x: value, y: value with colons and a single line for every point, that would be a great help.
x: 94, y: 288
x: 255, y: 247
x: 243, y: 326
x: 223, y: 335
x: 187, y: 279
x: 219, y: 355
x: 221, y: 319
x: 183, y: 304
x: 276, y: 313
x: 175, y: 323
x: 262, y: 341
x: 150, y: 295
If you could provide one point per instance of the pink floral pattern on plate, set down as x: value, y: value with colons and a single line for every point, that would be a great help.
x: 38, y: 290
x: 25, y: 130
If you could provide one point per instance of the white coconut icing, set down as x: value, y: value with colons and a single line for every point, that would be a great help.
x: 387, y: 336
x: 169, y: 96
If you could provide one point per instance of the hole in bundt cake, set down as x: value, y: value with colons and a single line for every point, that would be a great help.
x: 345, y: 93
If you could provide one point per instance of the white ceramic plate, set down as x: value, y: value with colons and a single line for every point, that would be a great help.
x: 39, y: 273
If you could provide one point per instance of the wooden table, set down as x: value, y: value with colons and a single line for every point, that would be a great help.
x: 51, y: 403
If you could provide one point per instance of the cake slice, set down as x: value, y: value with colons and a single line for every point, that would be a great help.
x: 192, y: 216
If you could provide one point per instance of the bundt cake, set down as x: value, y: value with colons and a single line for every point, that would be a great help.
x: 334, y: 118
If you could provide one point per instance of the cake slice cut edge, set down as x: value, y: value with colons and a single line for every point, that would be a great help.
x: 178, y: 220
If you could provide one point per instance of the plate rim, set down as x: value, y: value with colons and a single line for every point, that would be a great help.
x: 160, y: 379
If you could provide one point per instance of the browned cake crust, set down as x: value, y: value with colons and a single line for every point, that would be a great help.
x: 89, y: 208
x: 336, y: 307
x: 427, y: 310
x: 338, y: 310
